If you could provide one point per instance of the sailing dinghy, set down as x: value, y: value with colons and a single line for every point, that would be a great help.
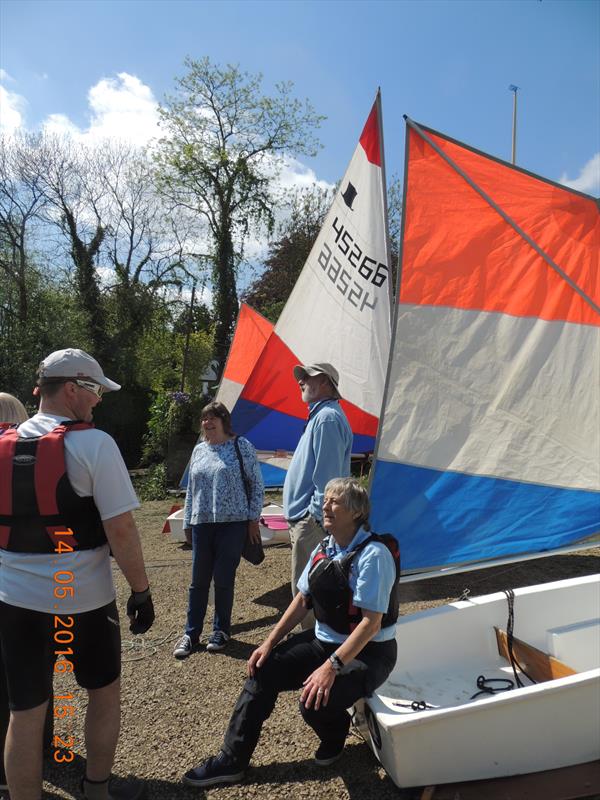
x: 489, y: 452
x: 338, y: 312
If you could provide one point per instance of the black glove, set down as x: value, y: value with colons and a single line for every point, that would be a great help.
x: 140, y: 610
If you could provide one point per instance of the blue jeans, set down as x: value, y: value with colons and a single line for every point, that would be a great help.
x: 217, y: 549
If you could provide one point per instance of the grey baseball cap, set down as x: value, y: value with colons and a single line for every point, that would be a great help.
x: 74, y: 363
x: 302, y: 370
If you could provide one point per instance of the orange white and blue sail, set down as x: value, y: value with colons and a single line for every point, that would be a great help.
x: 490, y: 434
x: 338, y: 312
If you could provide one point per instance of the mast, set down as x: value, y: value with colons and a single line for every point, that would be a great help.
x: 385, y: 202
x: 514, y: 89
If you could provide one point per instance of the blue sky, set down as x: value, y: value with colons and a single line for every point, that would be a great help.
x: 103, y: 64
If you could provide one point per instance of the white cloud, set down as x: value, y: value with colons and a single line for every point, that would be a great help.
x: 61, y: 125
x: 294, y: 174
x: 4, y: 76
x: 12, y: 109
x: 123, y: 108
x: 589, y: 178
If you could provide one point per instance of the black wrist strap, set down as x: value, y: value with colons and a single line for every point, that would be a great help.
x: 141, y: 595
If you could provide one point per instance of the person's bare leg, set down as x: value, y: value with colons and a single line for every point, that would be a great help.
x: 23, y: 753
x: 102, y: 722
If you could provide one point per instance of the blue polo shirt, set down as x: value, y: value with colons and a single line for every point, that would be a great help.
x: 372, y: 576
x: 323, y: 453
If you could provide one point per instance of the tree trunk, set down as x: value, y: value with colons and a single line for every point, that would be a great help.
x: 87, y: 283
x: 225, y: 300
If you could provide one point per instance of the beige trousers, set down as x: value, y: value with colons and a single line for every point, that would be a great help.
x: 305, y: 535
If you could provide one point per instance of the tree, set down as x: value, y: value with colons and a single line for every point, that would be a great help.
x: 21, y: 200
x: 69, y: 174
x: 223, y: 143
x: 394, y: 198
x: 287, y: 254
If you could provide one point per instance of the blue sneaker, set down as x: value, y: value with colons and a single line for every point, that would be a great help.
x: 217, y: 641
x: 216, y: 769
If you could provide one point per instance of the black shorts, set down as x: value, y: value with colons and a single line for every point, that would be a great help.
x: 29, y: 641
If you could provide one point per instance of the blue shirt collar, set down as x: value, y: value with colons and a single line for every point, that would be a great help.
x: 360, y: 535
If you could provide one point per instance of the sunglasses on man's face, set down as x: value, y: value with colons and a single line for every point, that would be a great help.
x: 91, y: 386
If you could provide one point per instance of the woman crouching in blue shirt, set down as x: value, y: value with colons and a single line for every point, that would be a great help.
x: 218, y: 515
x: 351, y: 582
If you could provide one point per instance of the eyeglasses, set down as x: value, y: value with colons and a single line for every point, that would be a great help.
x: 91, y: 386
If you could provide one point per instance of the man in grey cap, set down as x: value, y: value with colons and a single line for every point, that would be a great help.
x: 70, y: 505
x: 323, y: 453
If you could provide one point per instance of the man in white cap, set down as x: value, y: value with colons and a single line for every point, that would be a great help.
x: 67, y: 499
x: 323, y: 453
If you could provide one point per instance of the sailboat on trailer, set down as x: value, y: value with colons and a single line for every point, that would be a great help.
x: 489, y: 451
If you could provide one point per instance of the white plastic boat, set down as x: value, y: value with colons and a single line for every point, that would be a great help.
x: 273, y: 528
x: 442, y: 652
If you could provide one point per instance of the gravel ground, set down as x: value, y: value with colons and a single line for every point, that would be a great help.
x: 175, y: 712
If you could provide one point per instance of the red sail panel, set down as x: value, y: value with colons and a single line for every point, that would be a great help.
x: 272, y: 384
x: 369, y: 138
x: 459, y: 252
x: 251, y: 333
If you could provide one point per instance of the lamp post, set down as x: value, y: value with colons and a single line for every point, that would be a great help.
x: 514, y: 89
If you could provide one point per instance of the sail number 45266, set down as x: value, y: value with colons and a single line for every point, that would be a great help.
x: 343, y: 281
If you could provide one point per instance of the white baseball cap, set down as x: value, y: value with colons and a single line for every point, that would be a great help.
x: 301, y: 371
x: 73, y: 363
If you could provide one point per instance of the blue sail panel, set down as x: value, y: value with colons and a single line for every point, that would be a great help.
x: 450, y: 518
x: 269, y: 429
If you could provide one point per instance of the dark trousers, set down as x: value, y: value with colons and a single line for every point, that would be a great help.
x: 217, y: 550
x: 287, y: 667
x: 5, y: 718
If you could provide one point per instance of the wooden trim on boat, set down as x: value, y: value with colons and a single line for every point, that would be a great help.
x: 541, y: 666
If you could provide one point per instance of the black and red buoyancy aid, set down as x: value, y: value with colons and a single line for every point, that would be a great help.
x: 329, y: 586
x: 36, y: 496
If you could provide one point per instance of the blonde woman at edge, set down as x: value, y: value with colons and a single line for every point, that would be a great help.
x: 11, y: 409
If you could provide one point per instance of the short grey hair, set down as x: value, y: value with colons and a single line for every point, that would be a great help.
x: 353, y: 495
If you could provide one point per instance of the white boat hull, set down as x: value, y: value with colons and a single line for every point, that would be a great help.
x: 269, y: 536
x: 442, y: 651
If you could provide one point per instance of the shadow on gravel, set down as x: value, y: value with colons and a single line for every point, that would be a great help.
x: 358, y: 769
x: 278, y: 599
x: 495, y: 579
x: 242, y: 627
x: 236, y: 649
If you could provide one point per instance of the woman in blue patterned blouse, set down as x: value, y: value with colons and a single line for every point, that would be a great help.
x: 218, y: 515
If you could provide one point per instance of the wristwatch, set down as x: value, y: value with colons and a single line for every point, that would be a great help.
x: 336, y: 662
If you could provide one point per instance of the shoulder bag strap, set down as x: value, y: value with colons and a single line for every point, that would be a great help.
x: 242, y: 470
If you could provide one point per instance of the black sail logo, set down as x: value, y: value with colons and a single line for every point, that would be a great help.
x: 349, y: 195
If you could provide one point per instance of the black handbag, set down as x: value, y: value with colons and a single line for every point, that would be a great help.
x: 253, y: 551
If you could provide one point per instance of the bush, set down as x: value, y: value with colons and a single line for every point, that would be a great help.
x: 171, y: 414
x: 153, y: 486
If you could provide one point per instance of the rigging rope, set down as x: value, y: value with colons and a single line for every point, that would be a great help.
x: 510, y: 597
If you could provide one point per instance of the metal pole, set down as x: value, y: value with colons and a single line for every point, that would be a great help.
x: 514, y: 89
